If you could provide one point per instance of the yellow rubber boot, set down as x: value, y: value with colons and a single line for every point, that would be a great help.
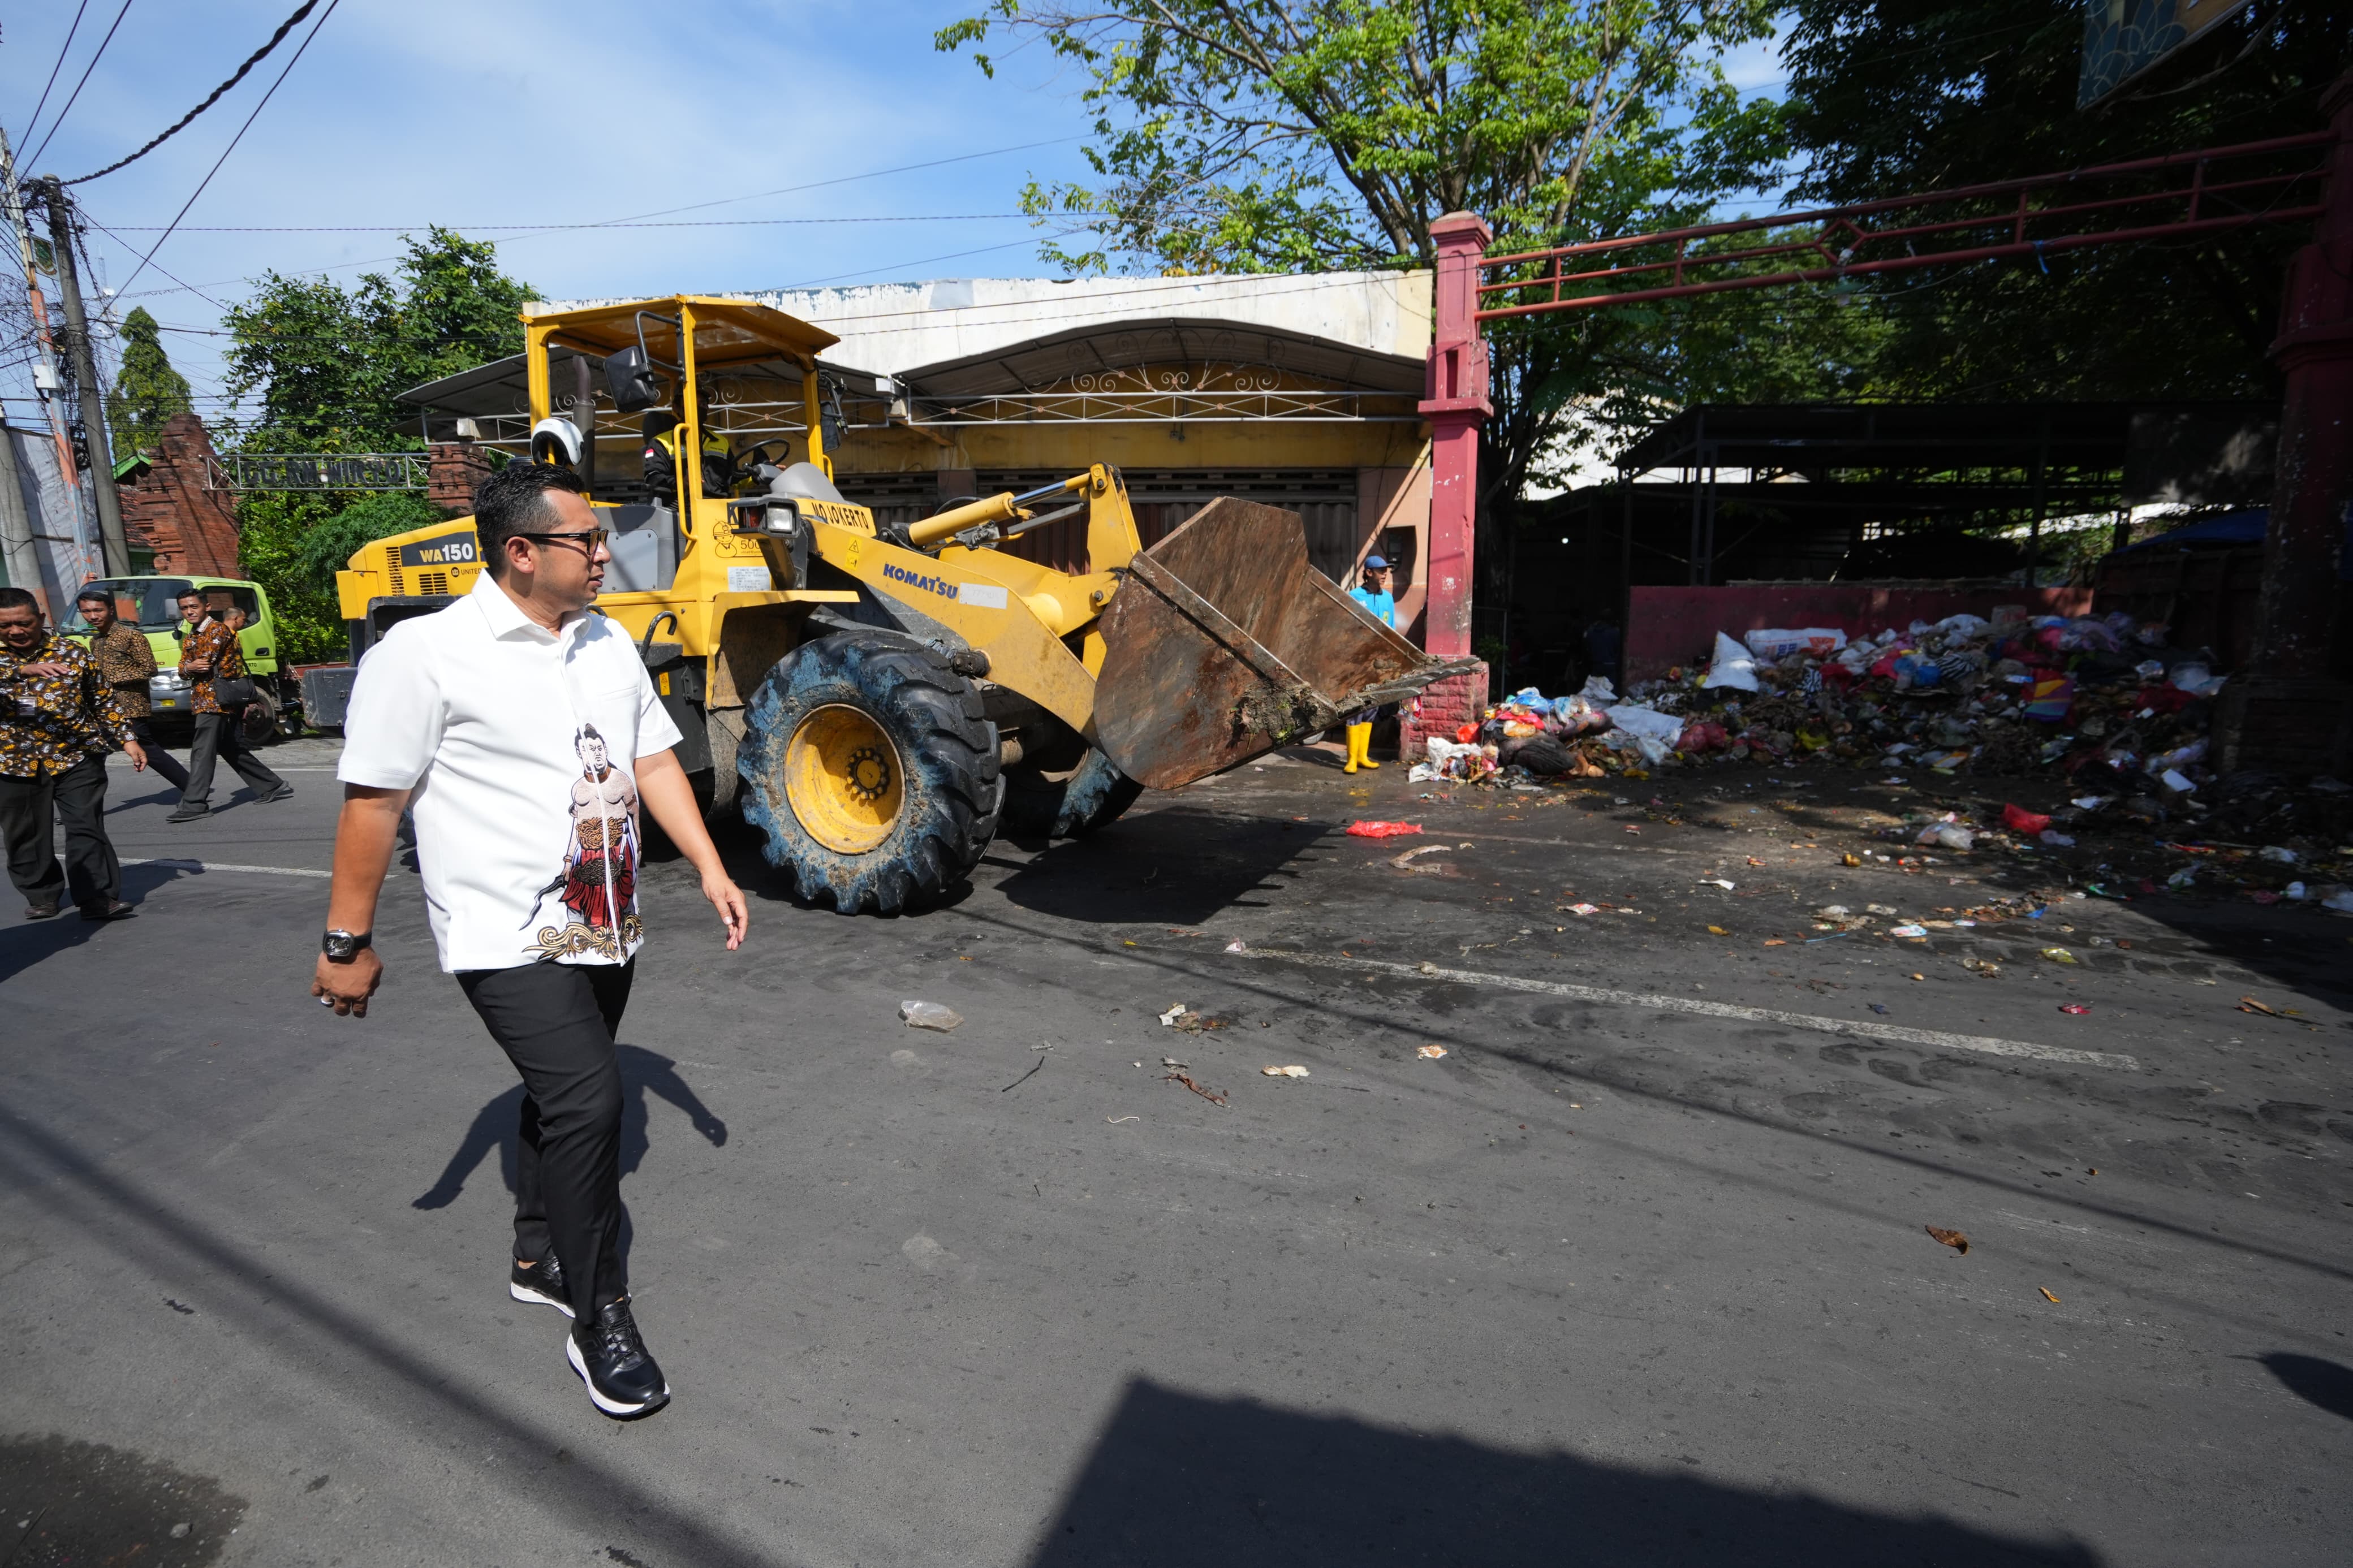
x: 1350, y: 766
x: 1360, y: 745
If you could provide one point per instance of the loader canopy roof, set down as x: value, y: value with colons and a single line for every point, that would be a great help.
x: 726, y: 332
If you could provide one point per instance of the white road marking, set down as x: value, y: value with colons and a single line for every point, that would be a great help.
x: 1985, y: 1044
x: 224, y: 866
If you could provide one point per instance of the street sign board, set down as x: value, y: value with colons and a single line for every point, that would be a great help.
x: 2122, y: 38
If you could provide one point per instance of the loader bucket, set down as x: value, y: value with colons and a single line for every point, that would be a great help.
x: 1223, y: 644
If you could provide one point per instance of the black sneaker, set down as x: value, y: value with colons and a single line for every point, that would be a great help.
x: 283, y: 792
x: 611, y: 1360
x: 190, y: 814
x: 544, y: 1282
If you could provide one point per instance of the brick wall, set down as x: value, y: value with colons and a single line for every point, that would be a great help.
x: 457, y: 467
x: 173, y: 511
x: 1459, y: 700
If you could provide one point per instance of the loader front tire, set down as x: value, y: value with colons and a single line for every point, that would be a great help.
x: 1039, y: 804
x: 870, y: 769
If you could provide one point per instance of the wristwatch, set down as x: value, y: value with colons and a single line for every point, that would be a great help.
x: 343, y: 946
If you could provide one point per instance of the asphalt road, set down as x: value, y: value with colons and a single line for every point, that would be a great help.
x: 1636, y: 1273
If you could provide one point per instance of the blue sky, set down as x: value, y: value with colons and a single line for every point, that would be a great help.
x: 474, y: 115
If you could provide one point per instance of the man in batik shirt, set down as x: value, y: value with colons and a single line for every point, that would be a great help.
x: 57, y: 721
x: 209, y: 653
x: 126, y: 664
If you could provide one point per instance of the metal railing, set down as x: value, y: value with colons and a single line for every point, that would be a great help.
x: 319, y: 471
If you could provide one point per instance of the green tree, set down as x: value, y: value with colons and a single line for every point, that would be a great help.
x: 147, y: 390
x: 321, y: 366
x: 1293, y: 135
x: 1888, y: 97
x: 324, y: 364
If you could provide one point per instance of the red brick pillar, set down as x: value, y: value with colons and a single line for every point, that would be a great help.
x: 1459, y: 700
x: 1454, y: 401
x: 456, y: 468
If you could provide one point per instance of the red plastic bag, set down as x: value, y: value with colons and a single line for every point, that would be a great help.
x: 1466, y: 733
x: 1382, y: 829
x: 2018, y: 819
x: 1703, y: 736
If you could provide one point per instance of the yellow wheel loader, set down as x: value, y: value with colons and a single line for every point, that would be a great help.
x: 879, y: 702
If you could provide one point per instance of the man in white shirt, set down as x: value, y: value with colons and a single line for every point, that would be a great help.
x: 502, y: 723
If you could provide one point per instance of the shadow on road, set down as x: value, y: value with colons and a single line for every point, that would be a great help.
x: 2313, y: 1379
x: 1179, y: 1480
x: 1171, y: 867
x: 494, y: 1126
x: 26, y: 944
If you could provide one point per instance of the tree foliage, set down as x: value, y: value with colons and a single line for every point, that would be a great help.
x: 320, y: 365
x: 147, y: 390
x: 1889, y: 97
x: 322, y: 362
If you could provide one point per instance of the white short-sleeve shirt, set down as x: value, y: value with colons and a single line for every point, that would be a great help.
x: 521, y: 744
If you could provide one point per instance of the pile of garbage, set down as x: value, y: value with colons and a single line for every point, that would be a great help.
x: 2104, y: 700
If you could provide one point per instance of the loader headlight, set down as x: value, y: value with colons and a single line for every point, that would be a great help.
x: 765, y: 514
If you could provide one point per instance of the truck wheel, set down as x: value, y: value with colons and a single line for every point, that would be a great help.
x: 257, y: 722
x: 725, y: 728
x: 873, y: 771
x: 1039, y: 805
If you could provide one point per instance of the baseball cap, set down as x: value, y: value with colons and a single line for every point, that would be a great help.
x: 1376, y: 564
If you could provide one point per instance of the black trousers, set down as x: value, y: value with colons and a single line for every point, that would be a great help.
x: 77, y: 795
x: 556, y: 1022
x: 216, y: 738
x: 166, y: 765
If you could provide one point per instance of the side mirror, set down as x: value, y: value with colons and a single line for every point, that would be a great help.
x: 630, y: 376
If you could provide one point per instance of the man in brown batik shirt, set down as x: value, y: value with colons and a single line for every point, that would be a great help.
x: 57, y: 721
x: 209, y: 653
x: 126, y: 663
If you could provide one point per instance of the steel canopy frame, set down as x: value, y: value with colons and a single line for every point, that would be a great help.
x: 1845, y: 234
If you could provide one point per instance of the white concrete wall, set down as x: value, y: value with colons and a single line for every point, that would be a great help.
x: 891, y: 328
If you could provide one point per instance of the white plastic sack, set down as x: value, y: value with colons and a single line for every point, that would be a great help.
x: 1964, y: 625
x: 1597, y: 690
x: 1780, y: 643
x: 1650, y: 721
x: 1732, y: 666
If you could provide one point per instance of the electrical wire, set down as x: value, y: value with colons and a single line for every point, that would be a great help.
x: 251, y: 60
x: 307, y: 39
x: 528, y: 229
x: 60, y: 119
x: 63, y: 51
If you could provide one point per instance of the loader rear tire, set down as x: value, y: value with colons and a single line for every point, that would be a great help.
x: 872, y: 772
x: 1047, y: 805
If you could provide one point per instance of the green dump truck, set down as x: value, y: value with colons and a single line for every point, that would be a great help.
x: 152, y: 604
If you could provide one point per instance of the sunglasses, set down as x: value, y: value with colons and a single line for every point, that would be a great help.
x: 590, y: 539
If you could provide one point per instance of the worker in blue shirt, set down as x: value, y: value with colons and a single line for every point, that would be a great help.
x: 1377, y: 593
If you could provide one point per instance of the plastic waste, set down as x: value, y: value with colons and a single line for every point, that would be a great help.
x: 1382, y: 829
x: 1732, y: 666
x: 1284, y: 1072
x: 2177, y: 782
x: 2279, y: 853
x: 2292, y: 891
x: 1910, y: 930
x: 2337, y: 899
x: 2056, y: 839
x: 2018, y: 819
x: 930, y: 1015
x: 1598, y: 689
x: 1779, y: 643
x: 1947, y: 834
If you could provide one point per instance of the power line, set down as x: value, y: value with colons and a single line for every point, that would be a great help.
x: 63, y: 51
x: 529, y: 230
x: 251, y: 60
x: 60, y: 119
x: 307, y: 39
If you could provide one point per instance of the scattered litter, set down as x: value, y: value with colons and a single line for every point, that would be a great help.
x: 2052, y: 838
x: 1115, y: 1120
x: 1429, y: 1053
x: 1952, y: 1239
x: 1236, y: 946
x: 1919, y: 977
x: 930, y: 1015
x: 1172, y: 1013
x: 1582, y: 910
x: 2048, y: 1296
x: 1775, y: 941
x: 1908, y: 931
x: 1284, y: 1072
x: 1405, y: 862
x: 1880, y: 1008
x: 2060, y: 955
x: 1186, y: 1079
x: 1715, y: 882
x: 1382, y: 829
x: 2077, y: 1008
x: 2249, y: 1004
x: 2018, y: 819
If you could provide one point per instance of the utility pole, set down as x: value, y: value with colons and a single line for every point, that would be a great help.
x: 85, y: 361
x: 16, y: 549
x: 46, y: 371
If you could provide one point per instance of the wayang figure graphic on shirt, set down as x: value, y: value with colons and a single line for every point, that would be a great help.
x: 596, y: 892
